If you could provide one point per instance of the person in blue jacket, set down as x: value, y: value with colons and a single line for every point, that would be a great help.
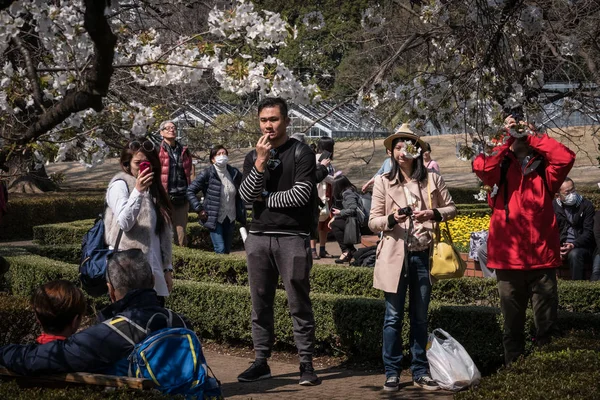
x: 99, y: 348
x: 222, y: 204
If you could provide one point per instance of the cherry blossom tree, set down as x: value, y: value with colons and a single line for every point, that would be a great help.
x: 80, y: 76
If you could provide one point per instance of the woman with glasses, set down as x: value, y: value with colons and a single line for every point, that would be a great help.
x: 222, y: 204
x: 139, y: 206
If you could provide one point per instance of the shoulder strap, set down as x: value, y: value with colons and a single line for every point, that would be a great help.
x: 504, y: 165
x: 127, y: 329
x: 120, y: 235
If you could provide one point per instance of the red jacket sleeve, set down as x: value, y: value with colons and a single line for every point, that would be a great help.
x: 560, y: 159
x: 487, y: 168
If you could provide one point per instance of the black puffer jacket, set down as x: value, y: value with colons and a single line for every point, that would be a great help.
x: 583, y: 224
x: 209, y: 184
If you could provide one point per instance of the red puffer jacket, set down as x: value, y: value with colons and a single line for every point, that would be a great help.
x: 524, y: 235
x: 163, y: 155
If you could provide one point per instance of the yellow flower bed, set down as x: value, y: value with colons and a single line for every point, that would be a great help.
x: 462, y: 226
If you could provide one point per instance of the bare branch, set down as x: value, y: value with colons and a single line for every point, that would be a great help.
x: 38, y: 97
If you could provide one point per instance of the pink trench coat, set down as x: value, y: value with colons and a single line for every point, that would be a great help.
x: 388, y: 197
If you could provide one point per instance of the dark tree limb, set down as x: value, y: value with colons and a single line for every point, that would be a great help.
x: 97, y: 79
x: 38, y: 98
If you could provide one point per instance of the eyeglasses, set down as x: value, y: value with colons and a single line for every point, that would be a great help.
x: 146, y: 145
x: 169, y: 128
x: 273, y: 162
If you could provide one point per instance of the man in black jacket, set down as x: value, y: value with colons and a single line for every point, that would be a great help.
x: 279, y: 180
x: 100, y: 348
x: 575, y: 217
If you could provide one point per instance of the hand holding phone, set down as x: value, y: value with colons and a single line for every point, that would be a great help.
x: 325, y: 155
x: 144, y: 165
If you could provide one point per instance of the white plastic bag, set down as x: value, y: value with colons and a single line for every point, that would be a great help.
x: 449, y: 363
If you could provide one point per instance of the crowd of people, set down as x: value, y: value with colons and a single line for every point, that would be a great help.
x: 297, y: 197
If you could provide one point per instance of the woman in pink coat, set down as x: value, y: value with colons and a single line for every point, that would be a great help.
x: 407, y: 202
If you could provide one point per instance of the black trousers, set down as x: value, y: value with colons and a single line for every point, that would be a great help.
x: 516, y: 287
x: 337, y: 227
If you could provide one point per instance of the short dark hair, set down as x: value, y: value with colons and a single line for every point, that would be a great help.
x: 215, y: 150
x: 269, y: 102
x: 56, y: 304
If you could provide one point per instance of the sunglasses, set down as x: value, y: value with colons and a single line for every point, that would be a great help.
x: 273, y: 162
x: 146, y: 145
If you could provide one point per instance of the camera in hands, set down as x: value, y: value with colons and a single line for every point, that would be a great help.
x: 405, y: 211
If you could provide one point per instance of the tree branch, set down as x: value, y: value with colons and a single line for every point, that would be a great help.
x: 38, y: 97
x: 97, y: 78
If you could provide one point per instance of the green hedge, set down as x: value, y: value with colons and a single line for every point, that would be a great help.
x: 344, y: 325
x: 569, y: 368
x: 12, y: 391
x: 72, y: 232
x: 197, y: 265
x: 18, y: 321
x: 26, y: 212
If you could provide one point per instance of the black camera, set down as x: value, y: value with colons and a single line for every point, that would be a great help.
x: 405, y: 211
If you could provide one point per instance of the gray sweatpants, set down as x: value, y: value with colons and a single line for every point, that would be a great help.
x: 268, y: 257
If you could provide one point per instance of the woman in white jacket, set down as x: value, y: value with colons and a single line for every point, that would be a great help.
x: 138, y: 205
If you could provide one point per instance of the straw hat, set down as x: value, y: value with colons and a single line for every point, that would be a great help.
x: 403, y: 132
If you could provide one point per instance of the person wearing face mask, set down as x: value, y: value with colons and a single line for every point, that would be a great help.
x: 575, y: 216
x: 222, y: 204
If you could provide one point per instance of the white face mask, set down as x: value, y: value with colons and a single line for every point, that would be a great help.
x: 221, y: 161
x: 570, y: 199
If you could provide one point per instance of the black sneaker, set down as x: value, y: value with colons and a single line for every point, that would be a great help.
x: 426, y: 383
x: 257, y: 371
x: 308, y: 377
x: 392, y: 384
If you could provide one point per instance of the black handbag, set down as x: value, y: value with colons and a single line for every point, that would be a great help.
x: 352, y: 231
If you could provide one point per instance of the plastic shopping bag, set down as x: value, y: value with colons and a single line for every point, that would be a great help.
x: 449, y: 363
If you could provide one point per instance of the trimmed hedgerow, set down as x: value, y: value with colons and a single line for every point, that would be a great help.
x: 26, y: 212
x: 344, y: 324
x: 197, y: 265
x: 72, y: 232
x: 18, y: 321
x: 569, y: 368
x: 12, y: 391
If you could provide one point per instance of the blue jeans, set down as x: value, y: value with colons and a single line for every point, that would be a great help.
x: 419, y: 287
x: 222, y: 236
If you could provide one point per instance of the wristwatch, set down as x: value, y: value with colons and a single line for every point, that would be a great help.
x: 167, y: 270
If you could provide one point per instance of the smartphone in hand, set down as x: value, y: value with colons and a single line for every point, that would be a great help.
x: 324, y: 155
x: 144, y: 165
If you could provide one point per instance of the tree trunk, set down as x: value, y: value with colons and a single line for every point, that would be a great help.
x: 25, y: 178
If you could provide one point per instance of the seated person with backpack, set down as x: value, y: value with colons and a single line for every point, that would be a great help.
x: 135, y: 318
x: 59, y: 307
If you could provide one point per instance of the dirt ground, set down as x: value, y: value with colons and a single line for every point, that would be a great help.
x: 360, y: 159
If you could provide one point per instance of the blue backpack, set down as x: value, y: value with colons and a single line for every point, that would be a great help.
x: 94, y: 251
x: 171, y: 357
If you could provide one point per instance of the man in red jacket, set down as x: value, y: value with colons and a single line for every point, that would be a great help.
x: 523, y: 242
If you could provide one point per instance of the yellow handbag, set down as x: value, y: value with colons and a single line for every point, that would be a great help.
x: 446, y: 262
